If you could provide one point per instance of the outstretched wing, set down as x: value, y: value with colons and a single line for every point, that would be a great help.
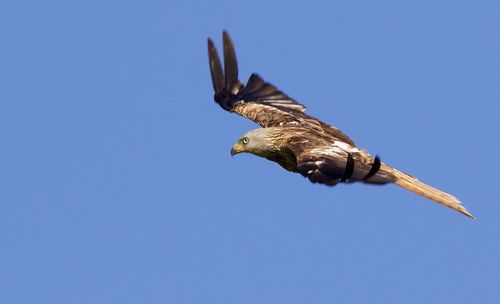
x: 258, y: 100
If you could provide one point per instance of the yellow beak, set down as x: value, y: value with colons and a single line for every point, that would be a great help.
x: 237, y: 148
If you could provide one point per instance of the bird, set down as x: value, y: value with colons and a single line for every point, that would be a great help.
x: 299, y: 142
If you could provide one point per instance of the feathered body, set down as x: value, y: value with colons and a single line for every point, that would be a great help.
x: 299, y: 142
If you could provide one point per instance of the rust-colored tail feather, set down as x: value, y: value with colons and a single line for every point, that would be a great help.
x: 411, y: 183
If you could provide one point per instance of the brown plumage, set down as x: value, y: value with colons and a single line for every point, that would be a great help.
x: 298, y: 142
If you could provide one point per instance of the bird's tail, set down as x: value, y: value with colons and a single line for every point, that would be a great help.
x: 414, y: 185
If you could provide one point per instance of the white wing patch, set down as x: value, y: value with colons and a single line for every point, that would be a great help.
x: 345, y: 147
x: 338, y: 148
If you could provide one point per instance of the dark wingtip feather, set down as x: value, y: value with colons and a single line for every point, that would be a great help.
x: 215, y: 67
x: 257, y: 90
x: 349, y: 168
x: 374, y: 169
x: 229, y: 90
x: 230, y: 64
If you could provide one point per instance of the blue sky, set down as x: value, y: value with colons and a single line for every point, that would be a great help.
x: 117, y: 185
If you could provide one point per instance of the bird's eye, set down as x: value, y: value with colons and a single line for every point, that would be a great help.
x: 244, y: 140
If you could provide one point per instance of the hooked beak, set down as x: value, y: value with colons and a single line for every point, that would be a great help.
x: 237, y: 148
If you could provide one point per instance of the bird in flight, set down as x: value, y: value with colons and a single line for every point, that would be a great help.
x: 298, y: 142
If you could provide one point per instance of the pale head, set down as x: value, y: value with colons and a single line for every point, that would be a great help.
x: 258, y: 142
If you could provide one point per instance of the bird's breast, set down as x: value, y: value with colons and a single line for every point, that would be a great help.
x: 284, y: 158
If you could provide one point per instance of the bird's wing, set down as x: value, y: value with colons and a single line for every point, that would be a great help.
x: 258, y: 100
x: 327, y: 160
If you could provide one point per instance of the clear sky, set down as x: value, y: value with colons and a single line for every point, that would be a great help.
x: 116, y: 183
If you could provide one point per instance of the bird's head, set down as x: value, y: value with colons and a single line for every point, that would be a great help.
x: 258, y: 142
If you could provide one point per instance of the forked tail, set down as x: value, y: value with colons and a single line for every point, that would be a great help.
x: 411, y: 183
